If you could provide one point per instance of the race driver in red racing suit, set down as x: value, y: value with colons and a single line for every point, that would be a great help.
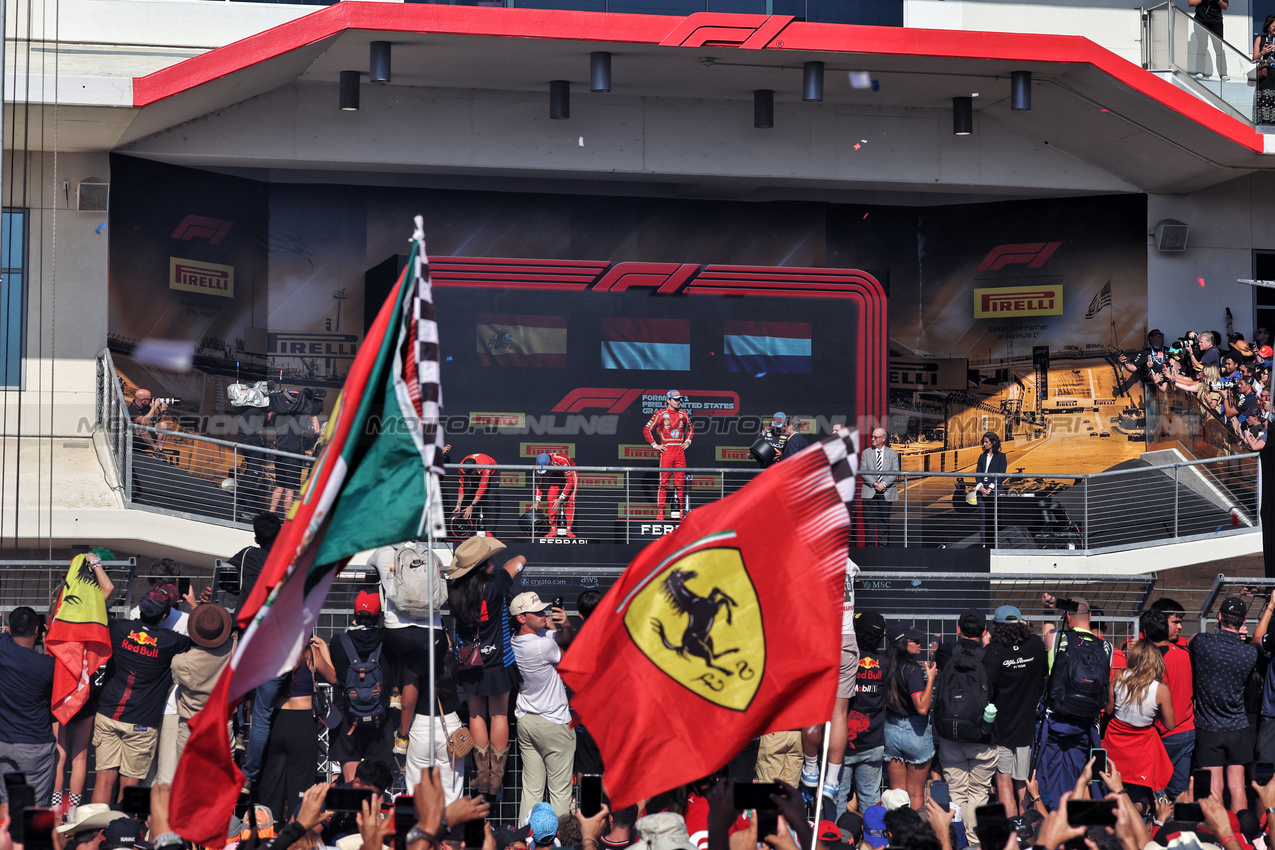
x: 562, y: 485
x: 674, y: 431
x: 480, y: 490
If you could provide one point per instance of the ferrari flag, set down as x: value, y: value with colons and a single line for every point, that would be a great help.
x: 375, y: 483
x: 724, y: 630
x: 78, y: 638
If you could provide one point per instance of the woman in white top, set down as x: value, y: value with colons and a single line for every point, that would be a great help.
x: 1136, y: 697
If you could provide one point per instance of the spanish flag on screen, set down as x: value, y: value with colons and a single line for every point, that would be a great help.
x: 508, y: 340
x: 78, y: 638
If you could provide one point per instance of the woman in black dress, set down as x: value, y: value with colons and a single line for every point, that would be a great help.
x: 1263, y: 54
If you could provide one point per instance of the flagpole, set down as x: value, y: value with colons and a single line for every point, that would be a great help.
x: 823, y: 774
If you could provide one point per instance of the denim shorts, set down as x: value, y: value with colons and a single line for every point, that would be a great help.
x: 909, y: 738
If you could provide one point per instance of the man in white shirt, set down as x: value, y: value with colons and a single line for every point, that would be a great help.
x: 546, y: 741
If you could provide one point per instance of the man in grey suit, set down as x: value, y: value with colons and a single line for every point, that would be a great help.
x: 878, y: 470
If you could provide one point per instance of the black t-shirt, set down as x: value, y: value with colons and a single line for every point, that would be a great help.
x: 445, y: 671
x: 865, y: 724
x: 914, y: 679
x: 365, y: 641
x: 288, y: 433
x: 26, y: 694
x: 250, y: 562
x: 1150, y: 359
x: 1015, y: 681
x: 140, y: 672
x: 1209, y: 12
x: 493, y: 628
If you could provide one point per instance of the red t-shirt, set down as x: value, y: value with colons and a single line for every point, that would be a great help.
x: 1177, y: 675
x: 697, y: 821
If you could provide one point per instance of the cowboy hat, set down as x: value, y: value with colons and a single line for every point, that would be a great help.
x: 90, y: 816
x: 471, y: 553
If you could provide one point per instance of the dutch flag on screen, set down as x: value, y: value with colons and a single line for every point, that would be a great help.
x: 768, y: 347
x: 646, y: 344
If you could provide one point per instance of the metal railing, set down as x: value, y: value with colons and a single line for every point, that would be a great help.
x: 1173, y: 41
x: 222, y: 481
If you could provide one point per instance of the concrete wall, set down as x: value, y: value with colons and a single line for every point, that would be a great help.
x: 1192, y: 289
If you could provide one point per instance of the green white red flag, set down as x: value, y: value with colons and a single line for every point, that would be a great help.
x: 376, y: 483
x: 724, y: 630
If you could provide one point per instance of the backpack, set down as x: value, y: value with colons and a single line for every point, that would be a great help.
x: 961, y: 695
x: 1078, y: 682
x: 363, y: 686
x: 408, y: 583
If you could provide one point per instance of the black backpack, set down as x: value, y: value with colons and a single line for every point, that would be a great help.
x: 961, y: 695
x: 363, y: 686
x: 1078, y: 681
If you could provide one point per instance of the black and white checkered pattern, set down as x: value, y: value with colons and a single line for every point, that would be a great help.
x: 843, y: 454
x: 420, y: 374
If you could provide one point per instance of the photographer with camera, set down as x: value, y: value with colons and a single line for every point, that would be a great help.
x: 1152, y: 362
x: 1203, y: 350
x: 294, y: 417
x: 145, y: 410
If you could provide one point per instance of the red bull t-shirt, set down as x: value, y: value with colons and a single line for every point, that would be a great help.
x: 139, y: 673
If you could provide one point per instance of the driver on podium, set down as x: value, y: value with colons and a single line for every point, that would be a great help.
x: 480, y: 489
x: 562, y: 485
x: 670, y: 432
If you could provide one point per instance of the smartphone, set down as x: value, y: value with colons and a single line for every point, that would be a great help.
x: 404, y: 819
x: 992, y: 825
x: 1099, y: 756
x: 1091, y: 812
x: 939, y: 794
x: 183, y: 586
x: 475, y: 833
x: 1066, y: 606
x: 1187, y: 812
x: 756, y: 795
x: 1263, y: 772
x: 767, y: 822
x: 590, y: 794
x: 21, y: 797
x: 1203, y: 783
x: 558, y: 603
x: 340, y: 799
x: 136, y: 800
x: 14, y: 777
x: 37, y: 826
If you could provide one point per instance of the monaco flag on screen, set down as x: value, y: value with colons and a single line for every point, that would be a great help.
x: 726, y: 629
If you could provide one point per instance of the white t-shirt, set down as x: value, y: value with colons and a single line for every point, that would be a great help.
x: 384, y: 559
x: 175, y: 622
x: 542, y: 691
x: 847, y: 615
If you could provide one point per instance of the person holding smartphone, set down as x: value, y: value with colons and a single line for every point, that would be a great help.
x: 909, y: 690
x: 546, y: 742
x: 26, y: 699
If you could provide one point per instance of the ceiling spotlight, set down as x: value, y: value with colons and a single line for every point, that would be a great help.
x: 962, y: 115
x: 600, y: 71
x: 560, y: 100
x: 379, y: 66
x: 764, y: 109
x: 349, y: 91
x: 1020, y: 90
x: 812, y: 82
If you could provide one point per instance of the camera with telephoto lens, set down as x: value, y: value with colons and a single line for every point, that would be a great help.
x: 171, y: 402
x: 1218, y: 386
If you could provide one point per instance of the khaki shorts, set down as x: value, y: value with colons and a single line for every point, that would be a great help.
x: 1014, y: 761
x: 124, y: 747
x: 848, y: 684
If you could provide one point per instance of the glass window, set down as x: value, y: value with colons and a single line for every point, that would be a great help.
x: 13, y: 250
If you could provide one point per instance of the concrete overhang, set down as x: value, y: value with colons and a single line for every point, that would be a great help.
x: 1108, y: 114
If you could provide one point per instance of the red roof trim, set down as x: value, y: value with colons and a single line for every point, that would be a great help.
x: 744, y: 31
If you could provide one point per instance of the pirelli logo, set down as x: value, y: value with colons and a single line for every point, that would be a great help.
x: 199, y: 276
x: 608, y: 480
x: 498, y: 420
x: 729, y: 453
x: 706, y: 482
x: 533, y: 449
x: 636, y: 510
x: 508, y: 478
x: 640, y: 451
x: 1018, y: 301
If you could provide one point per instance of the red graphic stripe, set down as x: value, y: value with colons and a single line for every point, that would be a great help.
x: 784, y: 330
x: 646, y: 330
x: 128, y: 692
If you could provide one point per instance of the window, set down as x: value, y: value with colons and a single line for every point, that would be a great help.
x: 13, y: 277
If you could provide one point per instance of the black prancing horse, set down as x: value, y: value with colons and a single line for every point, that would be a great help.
x: 701, y: 612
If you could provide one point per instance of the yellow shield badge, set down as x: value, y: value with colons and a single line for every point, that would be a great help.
x: 700, y: 622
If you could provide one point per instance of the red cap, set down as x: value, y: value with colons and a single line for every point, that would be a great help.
x: 368, y: 601
x: 828, y: 831
x: 1266, y: 352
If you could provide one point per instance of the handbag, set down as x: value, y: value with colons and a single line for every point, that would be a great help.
x: 460, y: 742
x: 470, y: 655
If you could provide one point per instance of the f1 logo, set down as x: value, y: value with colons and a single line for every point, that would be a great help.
x: 1031, y: 254
x: 615, y: 400
x: 202, y: 227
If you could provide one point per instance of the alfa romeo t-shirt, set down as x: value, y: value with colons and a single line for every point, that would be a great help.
x: 139, y: 673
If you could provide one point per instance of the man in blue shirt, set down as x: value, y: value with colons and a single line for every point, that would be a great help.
x: 26, y: 700
x: 1220, y: 664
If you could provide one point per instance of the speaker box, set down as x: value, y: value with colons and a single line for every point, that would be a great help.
x: 92, y: 196
x: 1170, y: 235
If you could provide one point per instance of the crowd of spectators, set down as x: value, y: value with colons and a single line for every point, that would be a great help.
x: 1232, y: 383
x: 926, y: 732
